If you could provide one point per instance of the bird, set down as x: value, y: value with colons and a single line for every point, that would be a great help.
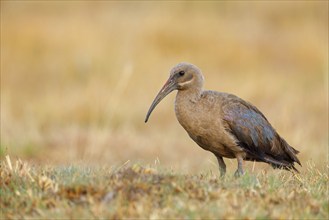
x: 224, y: 124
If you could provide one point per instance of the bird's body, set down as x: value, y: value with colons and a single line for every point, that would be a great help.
x: 223, y: 123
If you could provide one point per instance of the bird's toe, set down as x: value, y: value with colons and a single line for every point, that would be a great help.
x: 238, y: 173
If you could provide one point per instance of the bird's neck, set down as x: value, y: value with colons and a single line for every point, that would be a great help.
x: 186, y: 104
x: 190, y: 95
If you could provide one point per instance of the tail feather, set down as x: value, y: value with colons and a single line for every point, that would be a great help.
x: 282, y: 164
x: 289, y: 168
x: 290, y: 151
x: 274, y: 162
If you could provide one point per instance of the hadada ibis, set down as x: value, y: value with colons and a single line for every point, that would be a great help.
x: 224, y: 124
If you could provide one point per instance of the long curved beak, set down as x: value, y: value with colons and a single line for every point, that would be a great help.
x: 168, y: 87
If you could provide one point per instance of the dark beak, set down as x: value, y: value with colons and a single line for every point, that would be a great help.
x: 168, y: 87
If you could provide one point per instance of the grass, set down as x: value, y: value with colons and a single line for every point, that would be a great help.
x: 137, y: 191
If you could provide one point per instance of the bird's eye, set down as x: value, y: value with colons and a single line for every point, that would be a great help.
x: 181, y: 73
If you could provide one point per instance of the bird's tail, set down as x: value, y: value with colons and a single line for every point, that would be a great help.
x: 280, y: 164
x: 292, y: 152
x: 285, y: 160
x: 290, y: 167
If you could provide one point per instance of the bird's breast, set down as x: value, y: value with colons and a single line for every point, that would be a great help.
x: 190, y: 117
x: 199, y: 121
x: 196, y: 113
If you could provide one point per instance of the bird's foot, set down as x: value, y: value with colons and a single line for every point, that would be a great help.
x: 238, y: 173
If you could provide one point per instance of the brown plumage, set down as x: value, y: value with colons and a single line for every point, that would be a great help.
x: 224, y: 124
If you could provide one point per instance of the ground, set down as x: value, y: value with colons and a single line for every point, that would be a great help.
x: 136, y: 191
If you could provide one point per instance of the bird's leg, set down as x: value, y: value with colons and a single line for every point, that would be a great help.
x: 239, y: 172
x: 222, y: 166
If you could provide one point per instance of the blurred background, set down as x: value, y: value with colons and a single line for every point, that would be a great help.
x: 78, y: 77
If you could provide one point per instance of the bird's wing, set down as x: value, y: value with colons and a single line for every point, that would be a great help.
x: 255, y: 134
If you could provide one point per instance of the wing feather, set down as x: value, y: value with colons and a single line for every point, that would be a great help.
x: 256, y: 135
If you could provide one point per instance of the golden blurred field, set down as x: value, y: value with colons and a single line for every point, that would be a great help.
x: 77, y: 78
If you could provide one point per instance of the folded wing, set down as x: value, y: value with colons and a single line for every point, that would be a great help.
x: 256, y: 135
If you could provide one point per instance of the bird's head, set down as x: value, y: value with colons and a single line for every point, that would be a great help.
x: 183, y: 76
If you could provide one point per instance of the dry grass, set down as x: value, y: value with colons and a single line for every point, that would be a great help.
x: 133, y: 191
x: 78, y: 77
